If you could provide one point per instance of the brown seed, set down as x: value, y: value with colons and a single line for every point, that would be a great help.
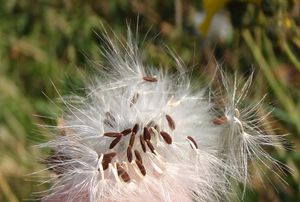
x: 193, y: 141
x: 138, y: 156
x: 115, y: 142
x: 105, y: 165
x: 126, y: 131
x: 141, y: 167
x: 107, y: 158
x: 142, y: 141
x: 150, y: 78
x: 131, y: 140
x: 129, y: 154
x: 220, y: 120
x: 135, y: 128
x: 167, y: 138
x: 171, y: 122
x: 122, y: 173
x: 147, y: 135
x: 110, y: 155
x: 112, y: 134
x: 150, y: 145
x: 134, y: 99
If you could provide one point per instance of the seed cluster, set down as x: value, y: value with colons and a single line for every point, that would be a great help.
x: 148, y: 134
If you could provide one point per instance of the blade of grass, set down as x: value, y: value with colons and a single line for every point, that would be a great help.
x: 6, y: 190
x: 285, y: 100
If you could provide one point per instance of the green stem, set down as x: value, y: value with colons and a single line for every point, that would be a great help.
x: 291, y: 55
x: 278, y: 89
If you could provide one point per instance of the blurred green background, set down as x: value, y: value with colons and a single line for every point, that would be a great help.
x: 54, y: 41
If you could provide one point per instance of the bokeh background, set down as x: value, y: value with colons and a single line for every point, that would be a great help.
x: 47, y: 43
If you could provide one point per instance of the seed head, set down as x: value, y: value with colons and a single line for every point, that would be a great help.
x: 144, y: 135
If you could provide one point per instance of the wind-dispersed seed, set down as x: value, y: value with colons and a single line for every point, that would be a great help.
x: 126, y: 131
x: 150, y: 145
x: 147, y: 135
x: 135, y: 128
x: 129, y: 154
x: 138, y: 156
x: 131, y: 140
x: 193, y: 141
x: 112, y: 134
x: 171, y: 122
x: 122, y: 173
x: 142, y: 141
x: 141, y: 167
x: 115, y: 142
x: 107, y: 158
x: 110, y: 155
x: 150, y: 79
x: 167, y: 138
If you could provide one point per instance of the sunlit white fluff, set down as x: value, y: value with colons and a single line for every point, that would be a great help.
x: 197, y: 164
x: 243, y: 138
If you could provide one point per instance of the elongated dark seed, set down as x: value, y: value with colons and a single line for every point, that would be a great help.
x: 122, y: 173
x: 167, y: 138
x: 112, y: 134
x: 147, y: 135
x: 107, y: 158
x: 141, y: 167
x: 129, y: 154
x: 220, y: 120
x: 134, y: 99
x: 115, y: 142
x: 142, y: 141
x: 138, y: 156
x: 171, y: 122
x: 193, y: 141
x: 132, y: 138
x: 150, y: 145
x: 126, y: 131
x: 135, y: 128
x: 150, y: 78
x: 109, y: 155
x: 105, y: 165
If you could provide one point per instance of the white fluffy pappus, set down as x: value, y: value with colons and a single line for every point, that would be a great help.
x: 142, y: 134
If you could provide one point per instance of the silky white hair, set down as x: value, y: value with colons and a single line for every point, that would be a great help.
x: 142, y: 134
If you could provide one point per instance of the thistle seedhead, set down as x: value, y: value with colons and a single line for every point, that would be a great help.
x: 143, y: 135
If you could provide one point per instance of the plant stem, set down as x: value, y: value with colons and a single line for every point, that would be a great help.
x: 291, y: 55
x: 278, y: 89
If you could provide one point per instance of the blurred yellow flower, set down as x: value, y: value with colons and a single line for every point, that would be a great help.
x: 211, y: 7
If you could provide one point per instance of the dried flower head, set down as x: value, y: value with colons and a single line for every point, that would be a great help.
x: 142, y: 134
